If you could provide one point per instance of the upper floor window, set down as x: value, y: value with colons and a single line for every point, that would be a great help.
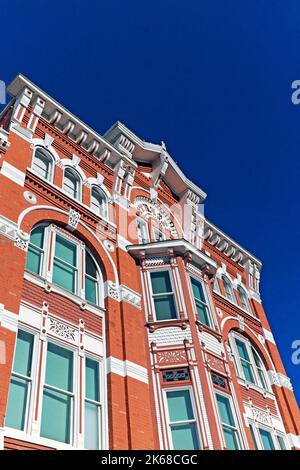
x: 99, y: 202
x: 244, y: 299
x: 201, y: 302
x: 43, y: 163
x: 230, y: 430
x: 159, y: 236
x: 228, y: 289
x: 182, y: 420
x: 72, y: 183
x: 71, y: 262
x: 163, y: 296
x: 249, y: 364
x: 142, y: 231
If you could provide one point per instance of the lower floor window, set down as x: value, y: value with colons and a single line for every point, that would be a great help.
x: 230, y: 430
x: 266, y: 439
x: 92, y: 437
x: 182, y: 421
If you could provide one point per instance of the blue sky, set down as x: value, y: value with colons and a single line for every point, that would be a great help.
x: 210, y: 78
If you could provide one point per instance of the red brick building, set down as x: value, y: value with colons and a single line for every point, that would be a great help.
x: 127, y: 320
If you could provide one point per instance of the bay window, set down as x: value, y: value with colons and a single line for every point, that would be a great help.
x: 92, y: 437
x: 230, y: 430
x: 20, y: 383
x: 201, y: 302
x: 182, y: 421
x: 68, y: 261
x: 58, y: 395
x: 163, y: 296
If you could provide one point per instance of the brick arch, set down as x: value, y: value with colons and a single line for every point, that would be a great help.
x: 232, y: 324
x: 37, y: 214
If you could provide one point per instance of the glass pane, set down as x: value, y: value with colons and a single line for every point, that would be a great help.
x: 225, y: 410
x: 202, y: 312
x: 90, y: 290
x: 180, y: 405
x: 37, y: 237
x: 197, y: 290
x: 33, y: 260
x: 41, y: 163
x: 247, y: 369
x: 161, y: 282
x: 184, y: 437
x: 90, y: 266
x: 23, y: 353
x: 59, y: 369
x: 230, y: 439
x: 63, y: 275
x: 92, y: 379
x: 165, y: 307
x: 65, y: 250
x: 253, y: 436
x: 266, y: 439
x: 91, y: 429
x: 17, y: 400
x: 281, y: 443
x: 56, y: 416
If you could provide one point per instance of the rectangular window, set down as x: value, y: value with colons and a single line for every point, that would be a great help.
x: 92, y: 437
x: 174, y: 375
x: 20, y: 384
x: 281, y: 442
x: 245, y: 361
x: 228, y: 424
x: 253, y: 436
x: 58, y: 397
x: 182, y: 420
x: 266, y: 439
x: 163, y: 296
x: 159, y: 236
x: 142, y: 231
x: 35, y: 251
x: 65, y: 264
x: 200, y: 301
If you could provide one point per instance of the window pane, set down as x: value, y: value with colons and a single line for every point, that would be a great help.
x: 71, y: 183
x: 91, y: 430
x: 17, y: 400
x: 253, y: 436
x: 266, y: 439
x: 184, y: 437
x: 91, y: 290
x: 165, y: 307
x: 180, y: 405
x: 281, y: 443
x: 161, y: 282
x: 247, y: 370
x: 56, y: 416
x: 230, y: 439
x: 23, y: 353
x: 91, y: 379
x: 225, y: 410
x: 65, y: 250
x: 90, y: 267
x: 37, y: 237
x: 198, y: 290
x: 59, y: 369
x: 63, y: 276
x: 33, y: 260
x: 202, y: 312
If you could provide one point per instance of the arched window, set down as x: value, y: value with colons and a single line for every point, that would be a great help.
x: 228, y: 289
x: 69, y: 262
x: 99, y: 202
x: 244, y: 299
x: 71, y: 184
x: 249, y: 363
x: 43, y: 163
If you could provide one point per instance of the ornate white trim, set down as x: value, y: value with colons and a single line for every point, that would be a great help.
x: 8, y: 320
x: 13, y: 173
x: 294, y: 440
x: 269, y: 336
x: 276, y: 378
x: 130, y: 296
x: 8, y: 228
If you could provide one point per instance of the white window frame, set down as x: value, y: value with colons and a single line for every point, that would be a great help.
x: 206, y: 304
x: 227, y: 281
x: 256, y: 426
x: 165, y: 293
x: 97, y: 403
x: 168, y: 421
x: 156, y: 234
x: 240, y: 290
x: 234, y: 415
x: 102, y: 206
x: 144, y: 228
x: 52, y: 164
x: 240, y: 373
x: 79, y: 183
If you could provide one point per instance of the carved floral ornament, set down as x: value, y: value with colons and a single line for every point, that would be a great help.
x: 147, y: 209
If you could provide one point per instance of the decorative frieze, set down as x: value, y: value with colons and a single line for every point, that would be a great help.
x: 22, y: 240
x: 170, y: 336
x: 130, y: 296
x: 59, y: 328
x: 74, y: 218
x: 281, y: 380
